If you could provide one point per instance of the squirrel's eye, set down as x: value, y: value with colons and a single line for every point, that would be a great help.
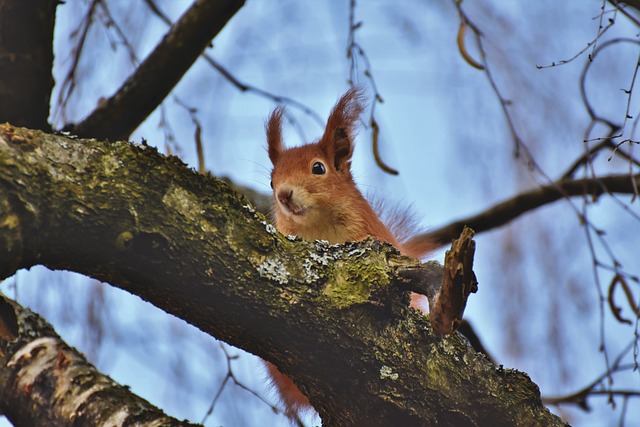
x: 318, y: 169
x: 271, y: 184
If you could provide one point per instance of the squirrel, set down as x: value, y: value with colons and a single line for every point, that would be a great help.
x: 316, y: 198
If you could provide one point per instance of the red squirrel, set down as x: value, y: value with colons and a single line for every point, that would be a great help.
x: 316, y: 198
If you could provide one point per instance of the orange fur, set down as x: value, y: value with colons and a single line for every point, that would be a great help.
x: 324, y: 206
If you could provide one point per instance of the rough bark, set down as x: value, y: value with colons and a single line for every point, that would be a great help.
x: 44, y: 382
x: 447, y: 308
x: 26, y: 56
x: 333, y: 318
x: 120, y: 115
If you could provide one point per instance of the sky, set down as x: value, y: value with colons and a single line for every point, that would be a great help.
x: 442, y: 127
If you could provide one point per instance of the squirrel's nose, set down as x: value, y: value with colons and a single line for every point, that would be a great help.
x: 284, y: 196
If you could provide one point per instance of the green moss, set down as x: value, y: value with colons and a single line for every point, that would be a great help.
x: 355, y: 283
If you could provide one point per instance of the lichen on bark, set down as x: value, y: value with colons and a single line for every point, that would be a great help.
x: 186, y: 242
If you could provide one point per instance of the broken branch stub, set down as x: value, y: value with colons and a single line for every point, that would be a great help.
x: 458, y: 281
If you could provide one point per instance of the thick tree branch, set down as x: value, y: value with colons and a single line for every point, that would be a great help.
x: 333, y: 318
x: 117, y: 117
x: 44, y: 382
x: 506, y: 211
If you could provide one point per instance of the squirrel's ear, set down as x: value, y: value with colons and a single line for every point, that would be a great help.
x: 337, y: 141
x: 342, y: 148
x: 274, y: 134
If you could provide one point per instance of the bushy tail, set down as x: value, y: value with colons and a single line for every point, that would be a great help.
x: 290, y: 395
x: 404, y: 224
x: 419, y: 247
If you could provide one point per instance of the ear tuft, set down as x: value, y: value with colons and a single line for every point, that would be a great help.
x: 337, y: 141
x: 274, y: 134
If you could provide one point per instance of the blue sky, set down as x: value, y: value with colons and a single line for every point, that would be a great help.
x: 442, y: 127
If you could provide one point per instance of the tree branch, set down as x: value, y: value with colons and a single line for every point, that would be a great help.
x: 333, y: 318
x: 633, y: 3
x: 459, y: 282
x: 506, y: 211
x: 117, y: 117
x: 45, y: 382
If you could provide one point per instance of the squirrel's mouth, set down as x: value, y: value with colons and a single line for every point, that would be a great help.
x: 294, y: 210
x: 290, y: 203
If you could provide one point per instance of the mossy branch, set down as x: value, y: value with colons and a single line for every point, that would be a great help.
x: 333, y: 318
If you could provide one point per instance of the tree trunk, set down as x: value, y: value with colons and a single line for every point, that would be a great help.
x: 26, y: 58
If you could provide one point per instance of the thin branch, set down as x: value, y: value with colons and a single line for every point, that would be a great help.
x: 120, y: 115
x: 591, y: 153
x: 232, y: 376
x: 590, y: 45
x: 580, y: 397
x: 355, y: 51
x: 518, y: 143
x: 583, y: 92
x: 237, y: 83
x: 510, y: 209
x: 68, y: 85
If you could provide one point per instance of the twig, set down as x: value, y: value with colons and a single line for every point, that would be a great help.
x: 231, y: 376
x: 580, y: 397
x: 355, y: 51
x: 120, y: 115
x: 592, y: 44
x: 68, y: 84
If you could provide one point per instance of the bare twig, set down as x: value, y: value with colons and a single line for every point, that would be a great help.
x: 120, y: 115
x: 242, y: 86
x: 590, y: 45
x: 68, y: 85
x: 583, y: 92
x: 519, y: 145
x: 231, y: 376
x: 580, y: 397
x: 355, y: 52
x: 623, y: 10
x: 591, y: 153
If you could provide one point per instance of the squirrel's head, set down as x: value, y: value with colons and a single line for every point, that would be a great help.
x: 309, y: 181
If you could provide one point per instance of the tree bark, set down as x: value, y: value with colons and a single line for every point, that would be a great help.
x: 333, y: 318
x: 26, y: 58
x: 44, y: 382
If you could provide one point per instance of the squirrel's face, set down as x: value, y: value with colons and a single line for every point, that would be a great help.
x: 312, y: 184
x: 305, y: 184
